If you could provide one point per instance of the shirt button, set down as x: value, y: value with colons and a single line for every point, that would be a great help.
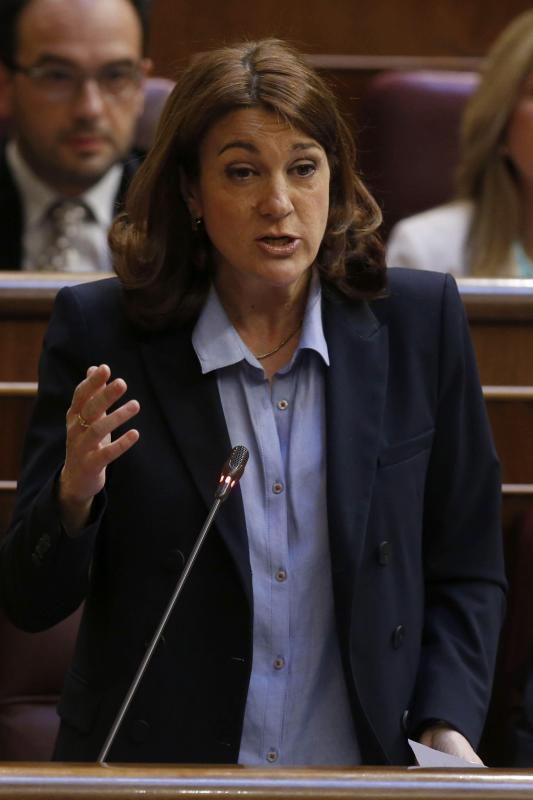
x: 384, y: 553
x: 272, y: 755
x: 398, y: 636
x: 283, y: 404
x: 281, y: 575
x: 279, y: 662
x: 277, y: 487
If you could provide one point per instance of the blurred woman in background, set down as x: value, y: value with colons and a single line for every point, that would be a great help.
x: 488, y: 230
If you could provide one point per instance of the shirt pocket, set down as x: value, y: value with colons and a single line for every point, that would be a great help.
x: 406, y: 450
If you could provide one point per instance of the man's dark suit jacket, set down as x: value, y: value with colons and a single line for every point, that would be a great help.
x: 413, y: 500
x: 11, y: 214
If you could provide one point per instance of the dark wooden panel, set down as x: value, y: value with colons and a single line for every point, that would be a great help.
x: 504, y: 351
x: 26, y: 301
x: 20, y: 346
x: 500, y: 313
x: 514, y: 506
x: 512, y: 428
x: 381, y: 27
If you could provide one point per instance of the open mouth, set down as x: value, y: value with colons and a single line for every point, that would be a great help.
x: 277, y: 240
x: 278, y: 245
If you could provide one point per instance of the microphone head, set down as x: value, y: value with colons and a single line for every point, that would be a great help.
x: 232, y: 471
x: 236, y: 462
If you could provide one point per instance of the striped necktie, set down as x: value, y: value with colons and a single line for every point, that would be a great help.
x: 65, y: 219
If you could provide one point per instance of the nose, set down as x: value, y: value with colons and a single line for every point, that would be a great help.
x: 89, y: 101
x: 275, y: 199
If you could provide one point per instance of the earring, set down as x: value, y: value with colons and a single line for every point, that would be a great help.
x: 197, y: 224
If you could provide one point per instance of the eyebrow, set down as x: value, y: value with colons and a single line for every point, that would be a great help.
x: 242, y: 144
x: 53, y: 58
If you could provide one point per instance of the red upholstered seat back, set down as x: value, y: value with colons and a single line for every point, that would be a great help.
x: 155, y: 94
x: 408, y: 138
x: 32, y: 669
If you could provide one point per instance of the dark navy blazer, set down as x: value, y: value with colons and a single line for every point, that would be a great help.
x: 414, y: 519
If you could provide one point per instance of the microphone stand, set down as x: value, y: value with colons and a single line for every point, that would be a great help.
x: 231, y: 474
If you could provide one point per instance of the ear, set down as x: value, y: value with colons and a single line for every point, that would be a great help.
x: 146, y: 105
x: 6, y: 92
x: 147, y: 66
x: 191, y: 196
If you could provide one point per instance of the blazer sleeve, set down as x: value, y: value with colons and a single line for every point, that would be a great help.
x: 43, y: 572
x: 462, y: 550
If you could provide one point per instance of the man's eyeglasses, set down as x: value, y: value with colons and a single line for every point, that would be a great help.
x: 63, y: 82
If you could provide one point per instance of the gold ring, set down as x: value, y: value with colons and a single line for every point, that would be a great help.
x: 83, y: 422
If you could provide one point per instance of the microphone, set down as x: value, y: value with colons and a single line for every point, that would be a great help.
x: 230, y: 475
x: 232, y: 471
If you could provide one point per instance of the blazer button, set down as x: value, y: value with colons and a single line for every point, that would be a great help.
x: 384, y: 553
x: 43, y: 545
x: 138, y: 730
x: 41, y: 548
x: 398, y: 635
x: 405, y: 720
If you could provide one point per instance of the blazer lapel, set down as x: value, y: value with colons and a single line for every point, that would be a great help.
x: 191, y: 405
x: 355, y: 398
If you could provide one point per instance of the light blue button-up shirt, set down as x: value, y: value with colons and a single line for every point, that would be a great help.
x: 297, y: 709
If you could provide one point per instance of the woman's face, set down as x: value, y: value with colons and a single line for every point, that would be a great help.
x: 263, y: 193
x: 520, y: 134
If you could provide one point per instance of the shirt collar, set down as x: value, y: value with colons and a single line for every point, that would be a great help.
x: 37, y: 196
x: 217, y: 344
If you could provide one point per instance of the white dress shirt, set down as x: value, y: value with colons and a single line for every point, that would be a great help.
x: 90, y: 250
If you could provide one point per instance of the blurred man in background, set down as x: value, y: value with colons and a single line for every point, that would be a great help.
x: 72, y: 87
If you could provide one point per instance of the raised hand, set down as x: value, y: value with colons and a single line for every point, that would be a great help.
x: 89, y: 447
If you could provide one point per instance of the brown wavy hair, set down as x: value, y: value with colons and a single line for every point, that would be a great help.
x: 165, y: 267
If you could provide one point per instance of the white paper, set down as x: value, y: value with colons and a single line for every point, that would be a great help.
x: 428, y: 757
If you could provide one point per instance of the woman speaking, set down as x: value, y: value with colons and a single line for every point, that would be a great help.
x: 351, y: 592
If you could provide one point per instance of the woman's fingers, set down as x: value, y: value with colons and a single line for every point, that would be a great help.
x: 98, y: 404
x: 108, y: 453
x: 107, y: 423
x: 89, y: 448
x: 95, y: 381
x: 94, y: 399
x: 90, y: 425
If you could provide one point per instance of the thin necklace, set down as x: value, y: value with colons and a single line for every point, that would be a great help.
x: 282, y: 344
